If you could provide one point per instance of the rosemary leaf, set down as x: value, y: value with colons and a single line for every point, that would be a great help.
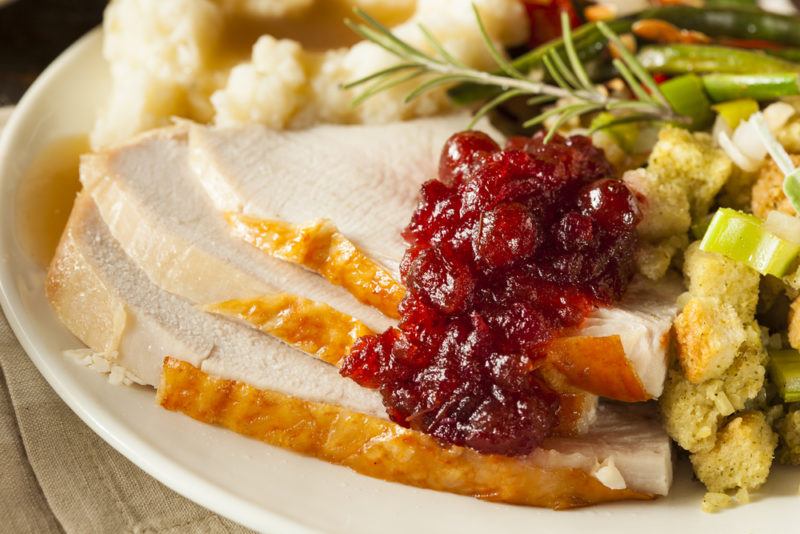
x: 384, y: 85
x: 437, y: 45
x: 555, y: 73
x: 493, y: 103
x: 432, y: 84
x: 572, y: 54
x: 502, y: 63
x: 633, y: 64
x: 538, y: 100
x: 388, y: 34
x: 378, y: 74
x: 565, y: 73
x: 567, y: 115
x: 631, y: 81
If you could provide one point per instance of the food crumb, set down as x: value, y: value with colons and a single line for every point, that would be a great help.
x: 715, y: 502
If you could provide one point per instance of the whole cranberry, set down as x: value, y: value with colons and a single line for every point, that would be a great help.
x: 446, y: 285
x: 461, y: 152
x: 611, y: 204
x: 506, y: 234
x: 575, y: 231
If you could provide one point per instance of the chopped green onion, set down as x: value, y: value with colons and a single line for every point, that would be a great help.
x: 736, y: 111
x: 688, y: 98
x: 784, y: 369
x: 742, y: 237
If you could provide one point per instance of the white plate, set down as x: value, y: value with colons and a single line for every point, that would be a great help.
x: 257, y: 485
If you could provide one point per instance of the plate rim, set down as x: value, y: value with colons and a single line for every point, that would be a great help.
x: 133, y: 448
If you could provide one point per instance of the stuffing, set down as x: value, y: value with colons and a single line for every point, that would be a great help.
x: 709, y: 334
x: 691, y: 159
x: 744, y: 379
x: 267, y: 90
x: 713, y: 275
x: 741, y: 457
x: 693, y: 412
x: 665, y: 212
x: 737, y: 193
x: 788, y: 429
x: 715, y: 502
x: 794, y: 324
x: 768, y: 191
x: 653, y: 259
x: 684, y: 174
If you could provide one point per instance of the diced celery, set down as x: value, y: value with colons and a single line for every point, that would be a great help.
x: 687, y: 96
x: 742, y: 237
x: 625, y: 134
x: 784, y: 369
x: 735, y: 111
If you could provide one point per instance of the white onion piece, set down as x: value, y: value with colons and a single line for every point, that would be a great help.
x: 778, y: 114
x: 747, y: 140
x: 721, y: 126
x: 784, y: 226
x: 736, y: 155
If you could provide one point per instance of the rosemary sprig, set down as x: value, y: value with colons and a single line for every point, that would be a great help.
x: 571, y: 81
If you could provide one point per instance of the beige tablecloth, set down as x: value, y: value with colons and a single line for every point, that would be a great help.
x: 56, y: 475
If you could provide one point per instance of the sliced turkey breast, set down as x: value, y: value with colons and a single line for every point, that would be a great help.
x: 152, y: 204
x: 366, y: 179
x: 91, y: 275
x: 155, y: 207
x: 362, y: 180
x: 270, y: 391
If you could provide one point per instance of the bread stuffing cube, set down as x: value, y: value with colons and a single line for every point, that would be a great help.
x: 681, y: 156
x: 789, y: 430
x: 741, y: 457
x: 709, y: 334
x: 713, y: 275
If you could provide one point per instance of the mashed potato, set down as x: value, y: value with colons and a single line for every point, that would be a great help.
x: 172, y: 59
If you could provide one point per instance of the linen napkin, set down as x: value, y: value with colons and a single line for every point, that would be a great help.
x: 56, y: 475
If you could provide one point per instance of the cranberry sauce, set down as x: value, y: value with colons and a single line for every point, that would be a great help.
x: 507, y: 249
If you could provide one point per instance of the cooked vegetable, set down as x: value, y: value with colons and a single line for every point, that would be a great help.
x: 736, y: 111
x: 589, y: 43
x: 784, y: 226
x: 791, y: 182
x: 625, y: 134
x: 729, y: 21
x: 687, y: 97
x: 784, y: 369
x: 742, y: 237
x: 684, y: 58
x: 767, y: 86
x: 571, y: 80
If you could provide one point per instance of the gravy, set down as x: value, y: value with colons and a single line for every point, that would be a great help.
x: 46, y: 194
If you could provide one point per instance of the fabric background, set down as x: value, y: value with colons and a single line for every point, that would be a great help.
x: 56, y: 475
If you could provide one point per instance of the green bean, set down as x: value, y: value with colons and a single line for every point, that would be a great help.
x: 729, y: 21
x: 684, y: 58
x: 723, y: 87
x: 589, y: 43
x: 737, y: 22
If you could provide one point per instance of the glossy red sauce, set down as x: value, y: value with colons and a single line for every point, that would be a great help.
x: 507, y: 249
